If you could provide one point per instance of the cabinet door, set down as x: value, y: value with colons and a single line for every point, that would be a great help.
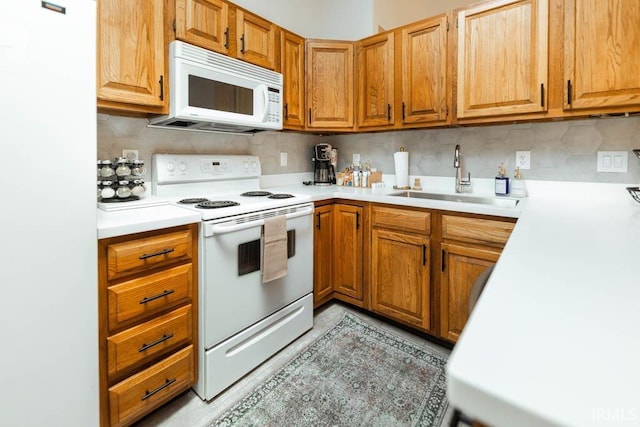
x: 502, y: 58
x: 131, y: 53
x: 292, y: 66
x: 400, y: 277
x: 375, y: 80
x: 204, y: 23
x: 347, y: 250
x: 424, y: 72
x: 256, y: 38
x: 330, y: 84
x: 602, y: 53
x: 322, y: 253
x: 461, y: 266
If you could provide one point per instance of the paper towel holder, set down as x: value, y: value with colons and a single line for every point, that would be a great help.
x: 407, y: 187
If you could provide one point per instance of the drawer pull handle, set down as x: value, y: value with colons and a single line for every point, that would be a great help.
x: 146, y: 347
x: 162, y: 252
x: 160, y: 295
x: 167, y: 383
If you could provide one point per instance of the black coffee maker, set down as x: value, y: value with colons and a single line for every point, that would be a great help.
x: 324, y: 170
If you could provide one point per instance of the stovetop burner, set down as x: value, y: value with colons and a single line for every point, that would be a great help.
x: 281, y: 196
x: 193, y: 201
x: 215, y: 204
x: 256, y: 193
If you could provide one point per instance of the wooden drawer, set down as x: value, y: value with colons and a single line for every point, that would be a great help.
x: 475, y: 230
x: 143, y: 392
x: 140, y: 344
x: 401, y: 219
x: 142, y: 254
x: 143, y: 297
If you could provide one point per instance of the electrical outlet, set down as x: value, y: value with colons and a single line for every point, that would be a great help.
x: 130, y: 154
x: 523, y: 159
x: 283, y: 159
x: 612, y: 161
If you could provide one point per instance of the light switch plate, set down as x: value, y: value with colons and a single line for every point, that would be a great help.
x: 283, y: 159
x: 613, y: 161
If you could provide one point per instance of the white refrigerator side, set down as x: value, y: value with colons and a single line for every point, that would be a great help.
x: 48, y: 271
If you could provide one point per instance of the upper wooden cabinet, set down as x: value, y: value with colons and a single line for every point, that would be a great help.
x: 375, y: 80
x: 602, y: 54
x: 292, y: 69
x: 131, y: 55
x: 329, y: 84
x: 204, y: 23
x: 502, y: 58
x: 425, y: 74
x: 256, y: 40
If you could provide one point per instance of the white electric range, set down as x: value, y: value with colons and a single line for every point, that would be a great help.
x: 242, y: 321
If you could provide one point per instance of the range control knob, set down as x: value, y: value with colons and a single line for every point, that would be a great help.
x: 182, y: 166
x: 246, y: 164
x: 171, y: 166
x: 254, y: 164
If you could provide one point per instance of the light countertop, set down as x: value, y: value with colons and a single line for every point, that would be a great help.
x: 553, y: 340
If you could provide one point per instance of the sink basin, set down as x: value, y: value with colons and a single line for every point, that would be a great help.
x: 461, y: 198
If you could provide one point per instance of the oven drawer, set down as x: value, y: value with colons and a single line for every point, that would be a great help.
x: 135, y: 346
x: 143, y: 297
x: 138, y: 255
x: 145, y: 391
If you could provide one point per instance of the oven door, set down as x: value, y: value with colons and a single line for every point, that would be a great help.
x: 233, y: 296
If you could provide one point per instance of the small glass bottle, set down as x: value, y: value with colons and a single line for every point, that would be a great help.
x: 138, y: 187
x: 123, y: 168
x: 137, y: 168
x: 106, y: 190
x: 123, y: 191
x: 106, y: 169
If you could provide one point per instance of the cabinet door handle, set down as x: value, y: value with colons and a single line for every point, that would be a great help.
x: 155, y: 297
x: 226, y: 38
x: 569, y: 92
x: 403, y: 107
x: 424, y: 254
x: 444, y: 257
x: 542, y: 94
x: 160, y: 340
x: 286, y: 110
x: 242, y: 44
x: 357, y: 220
x: 162, y: 252
x: 161, y: 81
x: 388, y: 112
x: 166, y: 384
x: 318, y: 224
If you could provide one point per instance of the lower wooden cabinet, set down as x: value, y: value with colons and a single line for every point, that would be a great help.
x: 147, y: 307
x: 400, y: 265
x: 322, y: 254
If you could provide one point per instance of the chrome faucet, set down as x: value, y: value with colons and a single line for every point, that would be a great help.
x: 462, y: 184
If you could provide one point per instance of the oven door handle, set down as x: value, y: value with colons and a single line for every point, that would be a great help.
x: 230, y: 227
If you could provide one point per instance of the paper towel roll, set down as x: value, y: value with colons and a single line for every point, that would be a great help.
x: 401, y: 159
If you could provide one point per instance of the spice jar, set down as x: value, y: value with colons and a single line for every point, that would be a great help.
x: 106, y: 189
x: 123, y: 168
x: 123, y: 191
x: 138, y: 187
x: 137, y: 168
x: 106, y: 169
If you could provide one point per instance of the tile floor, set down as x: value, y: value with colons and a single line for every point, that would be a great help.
x: 189, y: 410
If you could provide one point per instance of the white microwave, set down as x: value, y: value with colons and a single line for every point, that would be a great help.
x: 213, y: 92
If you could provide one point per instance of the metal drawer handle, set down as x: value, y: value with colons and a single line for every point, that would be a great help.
x: 160, y: 295
x: 167, y: 383
x: 146, y: 347
x: 162, y: 252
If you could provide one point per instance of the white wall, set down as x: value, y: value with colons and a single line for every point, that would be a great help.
x: 347, y: 20
x: 390, y: 14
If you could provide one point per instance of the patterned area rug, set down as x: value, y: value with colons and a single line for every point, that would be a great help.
x: 355, y: 374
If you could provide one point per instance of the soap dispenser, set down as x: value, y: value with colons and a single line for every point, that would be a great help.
x: 518, y: 186
x: 502, y: 182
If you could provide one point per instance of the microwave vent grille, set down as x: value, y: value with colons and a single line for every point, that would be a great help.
x: 224, y: 63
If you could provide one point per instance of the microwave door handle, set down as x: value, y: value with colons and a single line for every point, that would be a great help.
x: 265, y: 94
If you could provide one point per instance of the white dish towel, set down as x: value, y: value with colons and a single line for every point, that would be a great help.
x: 274, y: 248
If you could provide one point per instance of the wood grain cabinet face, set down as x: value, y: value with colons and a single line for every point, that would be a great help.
x: 256, y: 40
x: 602, y: 54
x: 131, y: 54
x: 292, y: 68
x: 502, y: 58
x: 329, y: 85
x: 322, y: 253
x: 348, y: 247
x: 424, y: 72
x: 204, y: 23
x: 376, y: 80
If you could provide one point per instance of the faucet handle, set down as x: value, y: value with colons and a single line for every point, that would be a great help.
x: 467, y: 180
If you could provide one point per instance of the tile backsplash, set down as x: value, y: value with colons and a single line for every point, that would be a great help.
x: 560, y: 150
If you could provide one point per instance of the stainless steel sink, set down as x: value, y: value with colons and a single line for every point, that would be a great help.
x: 491, y: 201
